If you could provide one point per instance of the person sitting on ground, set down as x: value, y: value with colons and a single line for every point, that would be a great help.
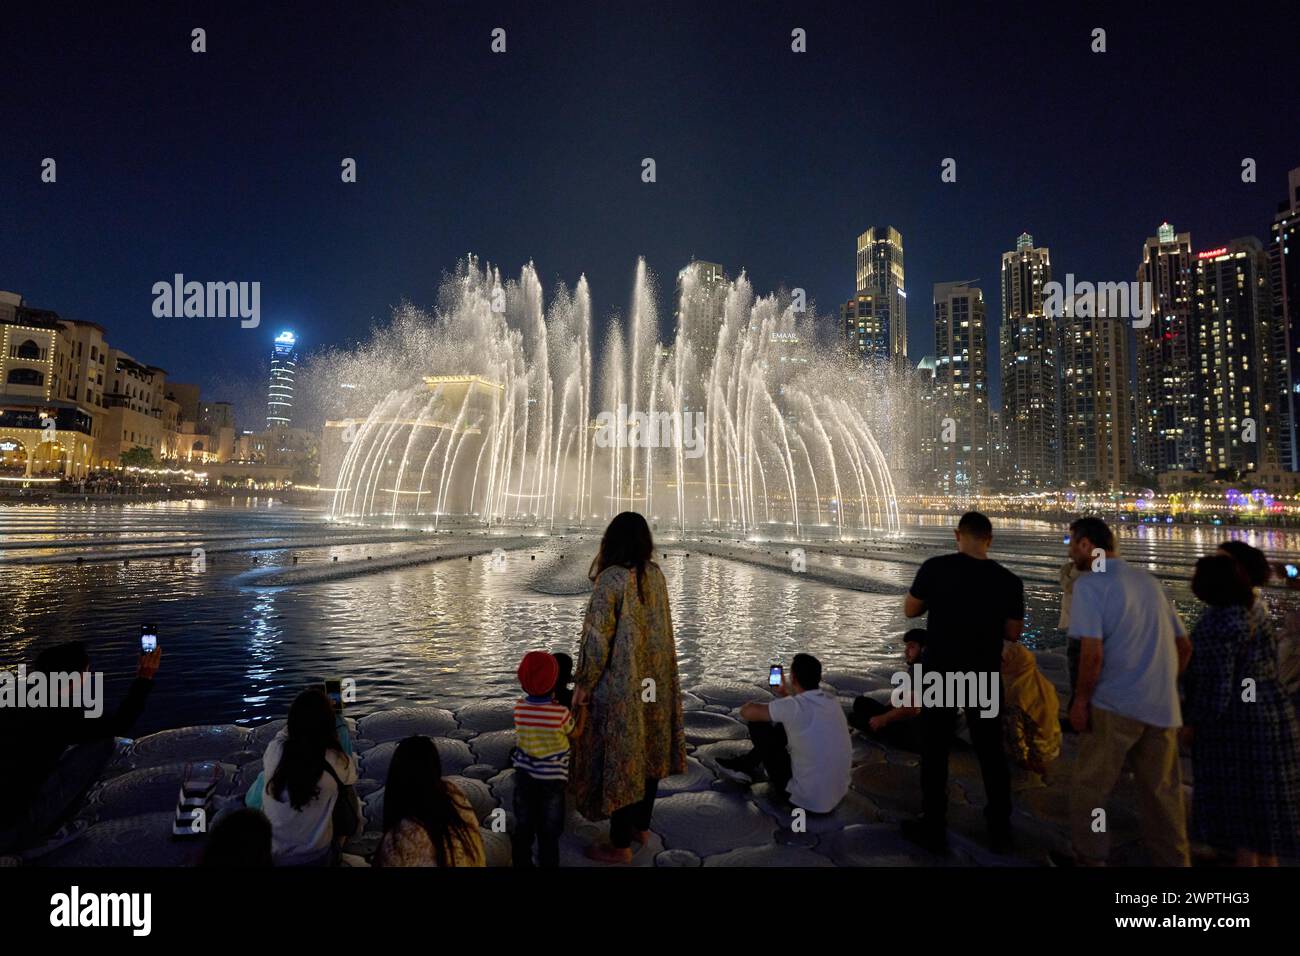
x: 1031, y: 718
x: 892, y: 724
x: 53, y: 754
x: 307, y: 765
x: 428, y: 821
x: 543, y: 727
x: 239, y: 839
x: 1245, y: 738
x: 801, y: 739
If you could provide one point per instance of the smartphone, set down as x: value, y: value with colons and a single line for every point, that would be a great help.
x: 199, y: 781
x: 148, y: 638
x: 1291, y: 570
x: 334, y: 691
x: 775, y: 675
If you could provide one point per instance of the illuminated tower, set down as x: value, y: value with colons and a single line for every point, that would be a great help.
x: 1029, y: 367
x: 1168, y: 427
x: 279, y: 393
x: 1234, y: 312
x: 961, y: 378
x: 881, y: 303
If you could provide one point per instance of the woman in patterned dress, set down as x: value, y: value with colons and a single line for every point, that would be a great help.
x: 627, y: 679
x: 1245, y: 738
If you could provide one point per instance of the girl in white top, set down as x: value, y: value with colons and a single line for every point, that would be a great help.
x: 300, y: 793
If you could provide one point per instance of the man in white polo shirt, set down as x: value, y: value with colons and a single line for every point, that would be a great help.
x: 801, y: 739
x: 1126, y: 699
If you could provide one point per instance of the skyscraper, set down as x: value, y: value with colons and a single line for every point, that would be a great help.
x: 1168, y: 427
x: 279, y: 394
x: 864, y: 327
x: 1284, y: 267
x: 1029, y: 369
x: 1233, y: 323
x: 1096, y: 434
x: 702, y: 294
x: 880, y: 275
x: 961, y: 386
x: 922, y: 428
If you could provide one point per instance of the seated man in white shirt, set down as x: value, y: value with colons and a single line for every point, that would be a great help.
x: 801, y: 739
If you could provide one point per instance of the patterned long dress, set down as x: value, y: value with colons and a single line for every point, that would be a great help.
x: 1245, y: 753
x: 634, y: 730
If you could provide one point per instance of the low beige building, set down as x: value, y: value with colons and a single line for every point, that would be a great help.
x: 45, y: 429
x: 135, y: 416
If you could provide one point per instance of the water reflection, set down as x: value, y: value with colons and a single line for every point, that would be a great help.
x: 453, y: 632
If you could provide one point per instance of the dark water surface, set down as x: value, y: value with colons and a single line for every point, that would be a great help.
x: 452, y: 632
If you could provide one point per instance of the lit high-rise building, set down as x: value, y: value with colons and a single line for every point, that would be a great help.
x: 1233, y: 324
x: 880, y: 276
x: 922, y: 432
x: 961, y: 386
x: 702, y: 294
x: 279, y: 395
x: 1284, y: 267
x: 1029, y: 368
x: 864, y: 327
x: 1096, y: 434
x: 1168, y: 427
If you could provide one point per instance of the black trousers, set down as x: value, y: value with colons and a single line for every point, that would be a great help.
x: 903, y: 734
x: 633, y: 818
x: 938, y: 727
x: 771, y: 749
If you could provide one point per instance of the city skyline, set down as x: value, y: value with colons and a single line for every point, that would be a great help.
x: 332, y: 257
x: 1074, y: 408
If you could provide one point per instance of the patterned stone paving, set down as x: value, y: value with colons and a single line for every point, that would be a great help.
x: 701, y: 817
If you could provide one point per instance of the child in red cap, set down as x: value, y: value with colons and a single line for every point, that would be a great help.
x: 541, y: 759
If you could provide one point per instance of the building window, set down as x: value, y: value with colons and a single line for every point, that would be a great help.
x: 26, y: 376
x: 27, y: 350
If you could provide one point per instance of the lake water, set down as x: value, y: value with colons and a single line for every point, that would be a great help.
x: 452, y: 632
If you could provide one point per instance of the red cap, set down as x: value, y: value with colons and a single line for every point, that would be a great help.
x: 538, y: 672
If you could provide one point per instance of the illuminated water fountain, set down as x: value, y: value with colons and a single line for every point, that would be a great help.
x: 491, y: 407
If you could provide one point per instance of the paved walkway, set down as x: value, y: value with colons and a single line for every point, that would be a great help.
x: 701, y: 817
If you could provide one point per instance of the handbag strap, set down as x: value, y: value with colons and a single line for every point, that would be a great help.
x: 329, y: 769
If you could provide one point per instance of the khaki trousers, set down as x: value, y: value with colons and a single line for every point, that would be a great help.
x: 1102, y: 752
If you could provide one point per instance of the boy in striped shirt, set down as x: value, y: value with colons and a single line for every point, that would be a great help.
x: 541, y: 760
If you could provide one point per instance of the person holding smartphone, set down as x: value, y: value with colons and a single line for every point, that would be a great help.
x: 801, y: 739
x: 54, y: 754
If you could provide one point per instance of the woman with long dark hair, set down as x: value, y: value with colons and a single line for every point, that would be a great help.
x: 1245, y: 736
x: 627, y: 679
x: 306, y: 766
x: 427, y: 820
x: 1254, y: 562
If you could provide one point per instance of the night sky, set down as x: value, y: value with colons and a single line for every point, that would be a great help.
x: 225, y: 165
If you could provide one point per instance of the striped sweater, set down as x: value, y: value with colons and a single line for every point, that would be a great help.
x: 542, y: 727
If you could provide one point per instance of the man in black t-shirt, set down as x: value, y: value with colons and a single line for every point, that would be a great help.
x: 973, y: 604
